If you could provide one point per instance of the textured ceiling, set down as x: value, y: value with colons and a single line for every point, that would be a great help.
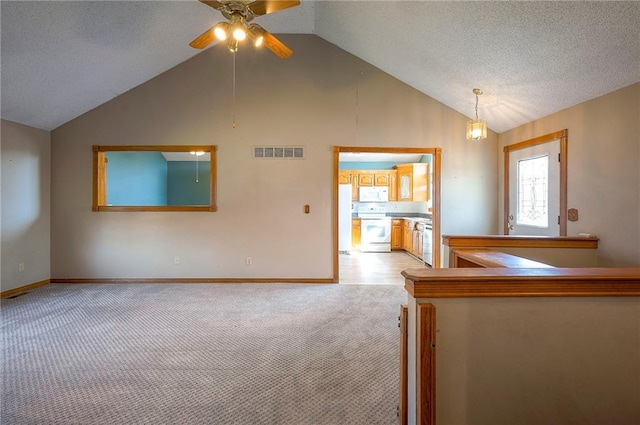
x: 60, y: 59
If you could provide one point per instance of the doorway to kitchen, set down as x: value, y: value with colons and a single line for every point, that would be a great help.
x: 383, y: 179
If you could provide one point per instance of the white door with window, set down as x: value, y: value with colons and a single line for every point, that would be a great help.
x: 534, y: 190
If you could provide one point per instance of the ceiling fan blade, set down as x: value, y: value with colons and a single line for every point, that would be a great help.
x: 264, y: 7
x: 204, y: 39
x: 215, y: 4
x: 276, y: 46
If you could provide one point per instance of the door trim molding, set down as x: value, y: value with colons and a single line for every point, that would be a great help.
x: 563, y: 136
x: 435, y: 205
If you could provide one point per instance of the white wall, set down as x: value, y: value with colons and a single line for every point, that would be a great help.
x: 25, y: 205
x: 603, y: 171
x: 307, y: 100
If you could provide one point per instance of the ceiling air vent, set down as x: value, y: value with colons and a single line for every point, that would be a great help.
x: 278, y: 152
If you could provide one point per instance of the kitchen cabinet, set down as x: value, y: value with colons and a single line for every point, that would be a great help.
x: 381, y: 179
x: 397, y: 233
x: 413, y: 238
x: 407, y: 235
x: 368, y: 178
x: 393, y: 185
x: 356, y: 230
x: 349, y: 177
x: 373, y: 177
x: 413, y: 182
x: 418, y: 235
x: 344, y: 177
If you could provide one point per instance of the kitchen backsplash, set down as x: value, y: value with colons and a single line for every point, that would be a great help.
x: 395, y: 208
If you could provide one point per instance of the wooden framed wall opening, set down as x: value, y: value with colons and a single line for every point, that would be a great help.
x: 169, y: 154
x: 436, y: 194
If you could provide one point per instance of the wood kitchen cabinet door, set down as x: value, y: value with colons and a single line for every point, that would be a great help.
x: 393, y: 185
x: 344, y: 177
x: 407, y: 236
x: 413, y: 182
x: 365, y: 178
x: 396, y: 234
x: 349, y: 177
x: 381, y: 179
x: 405, y: 182
x: 356, y: 231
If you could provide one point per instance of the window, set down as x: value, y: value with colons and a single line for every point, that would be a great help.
x: 154, y: 178
x: 533, y: 192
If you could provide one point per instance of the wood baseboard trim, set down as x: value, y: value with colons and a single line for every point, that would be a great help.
x: 22, y: 289
x: 195, y: 280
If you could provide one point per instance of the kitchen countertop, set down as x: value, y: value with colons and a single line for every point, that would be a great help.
x: 424, y: 220
x: 416, y: 219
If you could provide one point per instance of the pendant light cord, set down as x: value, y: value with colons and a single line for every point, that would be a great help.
x: 233, y: 104
x: 357, y: 117
x: 476, y: 105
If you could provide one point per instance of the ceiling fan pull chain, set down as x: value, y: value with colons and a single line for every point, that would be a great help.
x: 197, y: 173
x: 358, y: 75
x: 233, y: 103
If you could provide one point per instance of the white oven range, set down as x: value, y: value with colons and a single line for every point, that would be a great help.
x: 375, y: 229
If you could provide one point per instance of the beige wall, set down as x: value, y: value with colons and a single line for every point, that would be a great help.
x: 25, y: 205
x: 310, y: 100
x: 533, y: 361
x: 603, y: 170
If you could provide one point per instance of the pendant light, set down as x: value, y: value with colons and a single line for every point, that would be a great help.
x: 476, y: 128
x: 197, y: 154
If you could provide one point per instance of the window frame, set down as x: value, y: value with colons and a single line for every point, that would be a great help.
x: 99, y: 178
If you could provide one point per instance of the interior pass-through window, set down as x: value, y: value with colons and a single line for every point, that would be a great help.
x: 154, y: 178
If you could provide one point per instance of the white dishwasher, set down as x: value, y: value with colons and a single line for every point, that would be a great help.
x: 427, y: 245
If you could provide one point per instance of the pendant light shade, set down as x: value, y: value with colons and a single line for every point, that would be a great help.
x: 476, y: 128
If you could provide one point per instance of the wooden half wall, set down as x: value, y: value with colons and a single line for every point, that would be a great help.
x: 523, y: 346
x: 563, y: 251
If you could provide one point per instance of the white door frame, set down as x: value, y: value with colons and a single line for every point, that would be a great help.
x: 563, y: 137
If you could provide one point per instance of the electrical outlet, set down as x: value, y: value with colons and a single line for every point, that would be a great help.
x: 176, y: 260
x: 249, y: 261
x: 20, y: 267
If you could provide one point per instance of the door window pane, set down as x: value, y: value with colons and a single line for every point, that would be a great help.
x: 533, y: 192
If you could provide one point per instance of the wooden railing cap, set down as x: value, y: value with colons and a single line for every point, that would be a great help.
x: 527, y: 282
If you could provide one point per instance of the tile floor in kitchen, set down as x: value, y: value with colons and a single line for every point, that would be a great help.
x: 375, y: 268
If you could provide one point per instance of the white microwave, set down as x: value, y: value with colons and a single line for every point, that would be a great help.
x: 374, y: 194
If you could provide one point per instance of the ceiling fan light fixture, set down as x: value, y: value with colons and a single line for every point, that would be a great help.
x: 476, y: 128
x: 221, y: 30
x: 239, y: 14
x: 256, y: 33
x: 239, y: 34
x: 233, y: 45
x: 237, y: 26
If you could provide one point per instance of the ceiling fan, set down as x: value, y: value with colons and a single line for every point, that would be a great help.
x: 239, y: 14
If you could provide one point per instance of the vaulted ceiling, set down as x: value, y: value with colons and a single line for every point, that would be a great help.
x: 60, y: 59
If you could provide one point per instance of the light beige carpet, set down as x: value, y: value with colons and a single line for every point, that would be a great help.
x: 201, y: 354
